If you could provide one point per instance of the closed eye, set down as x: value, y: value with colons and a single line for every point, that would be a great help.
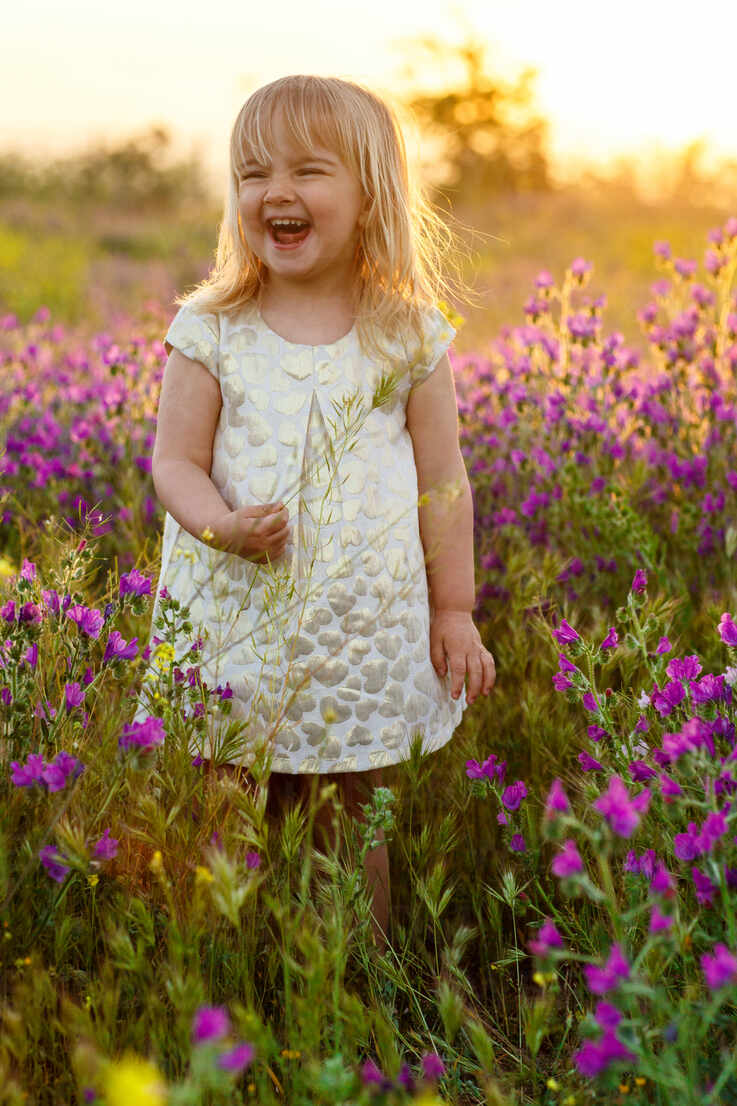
x: 245, y: 176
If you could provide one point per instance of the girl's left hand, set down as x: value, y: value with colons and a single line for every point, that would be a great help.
x: 453, y: 633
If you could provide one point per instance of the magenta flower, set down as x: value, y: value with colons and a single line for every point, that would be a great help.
x: 663, y: 646
x: 595, y: 1057
x: 713, y: 827
x: 134, y: 583
x: 727, y: 630
x: 596, y: 733
x: 611, y: 640
x: 90, y: 621
x: 561, y: 682
x: 517, y: 843
x: 53, y: 863
x: 143, y: 735
x: 237, y: 1058
x: 565, y: 634
x: 639, y: 582
x: 547, y: 938
x: 107, y: 847
x: 684, y: 668
x: 607, y: 1016
x: 601, y: 980
x: 668, y: 699
x: 685, y: 845
x: 661, y: 882
x: 567, y: 862
x: 210, y: 1023
x: 60, y: 770
x: 589, y: 702
x: 74, y: 696
x: 588, y: 763
x: 720, y: 967
x: 370, y: 1073
x: 659, y: 921
x: 26, y: 775
x: 565, y: 665
x: 432, y: 1066
x: 557, y: 800
x: 513, y: 795
x: 704, y: 887
x: 118, y: 649
x: 622, y: 812
x: 670, y: 789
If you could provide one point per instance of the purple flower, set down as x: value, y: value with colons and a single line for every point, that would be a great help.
x: 622, y: 812
x: 26, y: 775
x: 564, y: 664
x: 370, y: 1073
x: 589, y: 702
x: 720, y: 967
x: 74, y: 696
x: 685, y: 845
x: 513, y: 795
x: 596, y: 733
x: 666, y: 700
x: 90, y: 621
x: 547, y: 938
x: 669, y: 788
x: 60, y: 769
x: 253, y: 860
x: 432, y: 1066
x: 639, y: 583
x: 210, y: 1023
x: 143, y: 735
x: 661, y: 882
x: 567, y: 862
x: 517, y: 843
x: 565, y: 634
x: 707, y: 688
x: 704, y: 887
x: 641, y: 771
x: 713, y: 827
x: 659, y: 921
x: 663, y: 646
x: 601, y: 980
x: 237, y: 1059
x: 588, y: 764
x: 596, y: 1056
x: 135, y: 584
x: 561, y: 682
x: 118, y: 649
x: 107, y: 847
x: 607, y: 1016
x: 727, y: 630
x: 684, y: 668
x: 557, y: 800
x: 611, y: 640
x: 405, y: 1078
x: 53, y: 863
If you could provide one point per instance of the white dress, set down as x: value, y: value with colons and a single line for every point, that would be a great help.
x: 327, y: 651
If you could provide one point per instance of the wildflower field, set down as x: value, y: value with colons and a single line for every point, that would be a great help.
x: 564, y: 871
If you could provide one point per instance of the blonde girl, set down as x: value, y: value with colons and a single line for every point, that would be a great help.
x: 319, y: 517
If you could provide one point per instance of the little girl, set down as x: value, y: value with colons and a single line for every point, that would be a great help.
x: 307, y: 456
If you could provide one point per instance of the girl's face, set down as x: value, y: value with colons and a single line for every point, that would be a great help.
x: 317, y: 189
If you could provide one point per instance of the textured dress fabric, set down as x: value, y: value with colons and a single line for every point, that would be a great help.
x: 327, y: 649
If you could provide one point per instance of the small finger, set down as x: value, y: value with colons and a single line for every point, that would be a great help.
x: 475, y: 676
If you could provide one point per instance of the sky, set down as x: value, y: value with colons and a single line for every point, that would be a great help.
x: 638, y: 76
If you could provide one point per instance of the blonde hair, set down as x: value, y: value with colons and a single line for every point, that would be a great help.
x: 403, y: 241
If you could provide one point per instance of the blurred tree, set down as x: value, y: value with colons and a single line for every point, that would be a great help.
x: 491, y: 140
x: 134, y: 175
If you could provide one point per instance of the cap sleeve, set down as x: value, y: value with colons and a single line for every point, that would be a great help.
x: 439, y: 335
x: 197, y: 336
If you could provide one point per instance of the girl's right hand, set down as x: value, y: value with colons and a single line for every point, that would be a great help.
x: 257, y: 530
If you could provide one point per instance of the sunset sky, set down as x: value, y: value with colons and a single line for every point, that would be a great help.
x: 632, y: 76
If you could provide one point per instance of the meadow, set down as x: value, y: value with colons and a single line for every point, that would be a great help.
x: 564, y: 871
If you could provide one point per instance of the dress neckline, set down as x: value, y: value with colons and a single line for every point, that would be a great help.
x: 302, y: 345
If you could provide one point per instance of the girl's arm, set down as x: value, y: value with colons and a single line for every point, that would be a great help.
x: 446, y: 521
x: 189, y: 409
x: 446, y: 530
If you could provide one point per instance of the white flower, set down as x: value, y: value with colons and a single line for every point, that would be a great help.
x: 644, y: 700
x: 730, y: 675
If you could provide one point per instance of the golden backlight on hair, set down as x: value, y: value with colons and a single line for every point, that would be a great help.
x: 404, y: 243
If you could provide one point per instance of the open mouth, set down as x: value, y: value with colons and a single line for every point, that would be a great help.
x: 288, y: 232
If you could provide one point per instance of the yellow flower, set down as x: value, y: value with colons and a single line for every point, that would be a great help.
x: 207, y: 534
x: 624, y: 1088
x: 203, y: 875
x: 134, y: 1082
x: 640, y: 1081
x: 93, y: 880
x: 553, y: 1084
x: 164, y: 655
x: 6, y: 568
x: 156, y: 864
